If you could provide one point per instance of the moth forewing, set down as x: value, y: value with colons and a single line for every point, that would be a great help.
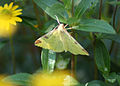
x: 72, y: 45
x: 51, y: 41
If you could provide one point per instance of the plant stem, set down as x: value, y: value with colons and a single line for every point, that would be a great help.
x: 114, y: 19
x: 118, y: 26
x: 94, y: 42
x: 73, y: 61
x: 37, y: 14
x: 95, y: 71
x: 100, y: 9
x: 46, y: 17
x: 73, y: 65
x: 93, y: 37
x: 114, y: 15
x: 38, y: 20
x: 72, y: 8
x: 13, y: 55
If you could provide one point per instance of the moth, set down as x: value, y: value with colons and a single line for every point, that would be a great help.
x: 60, y: 40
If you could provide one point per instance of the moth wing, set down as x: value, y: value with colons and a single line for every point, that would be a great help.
x: 51, y: 41
x: 71, y: 45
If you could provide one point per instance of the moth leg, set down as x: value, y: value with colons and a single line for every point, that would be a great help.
x: 57, y: 20
x: 65, y: 25
x: 69, y: 28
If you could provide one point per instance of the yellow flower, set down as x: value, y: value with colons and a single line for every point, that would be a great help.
x: 8, y: 19
x: 55, y: 79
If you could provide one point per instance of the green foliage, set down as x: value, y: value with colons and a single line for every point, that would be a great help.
x: 94, y: 25
x: 82, y: 6
x: 97, y: 83
x: 102, y: 57
x: 19, y: 79
x: 111, y: 77
x: 48, y: 58
x: 118, y: 79
x: 114, y: 37
x: 52, y: 8
x: 114, y: 2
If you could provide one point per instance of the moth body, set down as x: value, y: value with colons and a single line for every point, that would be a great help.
x: 60, y: 40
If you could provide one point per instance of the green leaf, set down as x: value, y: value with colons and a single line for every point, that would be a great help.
x: 113, y: 37
x: 52, y: 8
x: 68, y: 6
x: 118, y: 79
x: 96, y: 83
x: 19, y: 79
x: 102, y: 57
x: 114, y: 2
x: 111, y: 77
x: 83, y: 6
x: 3, y: 43
x: 94, y: 25
x: 48, y: 58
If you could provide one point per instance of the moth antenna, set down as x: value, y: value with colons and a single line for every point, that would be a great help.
x: 57, y: 19
x: 65, y: 25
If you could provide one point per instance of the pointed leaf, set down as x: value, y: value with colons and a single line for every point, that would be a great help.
x: 102, y: 57
x: 48, y: 58
x: 83, y: 6
x: 96, y: 83
x: 114, y: 2
x: 94, y: 25
x: 114, y: 37
x: 118, y: 79
x: 111, y: 77
x: 52, y: 8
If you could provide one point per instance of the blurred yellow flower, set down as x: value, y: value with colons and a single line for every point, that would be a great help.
x: 8, y: 19
x: 2, y: 83
x: 54, y: 79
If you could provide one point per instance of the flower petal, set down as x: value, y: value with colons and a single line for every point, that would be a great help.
x: 6, y: 6
x: 18, y: 19
x: 10, y: 5
x: 16, y: 11
x: 15, y: 7
x: 16, y: 14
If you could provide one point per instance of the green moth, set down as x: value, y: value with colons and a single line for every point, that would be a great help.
x: 60, y: 40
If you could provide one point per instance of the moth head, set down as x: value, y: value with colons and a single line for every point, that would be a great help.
x: 61, y: 26
x: 37, y: 42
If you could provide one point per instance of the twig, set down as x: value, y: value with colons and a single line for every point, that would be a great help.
x: 13, y: 55
x: 37, y: 14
